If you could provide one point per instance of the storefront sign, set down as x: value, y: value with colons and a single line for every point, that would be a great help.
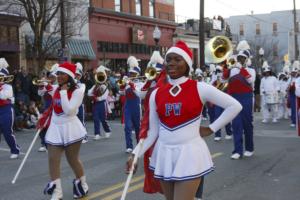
x: 139, y: 35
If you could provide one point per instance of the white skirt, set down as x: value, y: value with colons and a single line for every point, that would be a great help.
x: 65, y: 132
x: 181, y: 162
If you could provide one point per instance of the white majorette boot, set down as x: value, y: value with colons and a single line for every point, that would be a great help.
x: 80, y: 187
x: 54, y: 188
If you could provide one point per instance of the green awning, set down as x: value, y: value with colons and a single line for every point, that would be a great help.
x: 79, y: 48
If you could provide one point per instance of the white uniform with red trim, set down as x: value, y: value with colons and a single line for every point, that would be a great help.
x: 65, y: 127
x: 180, y: 153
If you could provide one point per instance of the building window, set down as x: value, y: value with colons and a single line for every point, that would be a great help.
x: 241, y: 29
x: 118, y: 5
x: 257, y: 29
x: 274, y: 28
x: 275, y: 50
x: 138, y: 7
x: 151, y: 8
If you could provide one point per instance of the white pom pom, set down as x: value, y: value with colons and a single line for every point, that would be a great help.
x: 3, y: 63
x: 243, y: 45
x: 132, y: 62
x: 156, y: 58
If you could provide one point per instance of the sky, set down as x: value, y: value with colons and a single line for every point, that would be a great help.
x: 226, y: 8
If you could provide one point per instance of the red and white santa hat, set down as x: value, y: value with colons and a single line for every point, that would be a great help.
x: 183, y: 50
x: 67, y: 68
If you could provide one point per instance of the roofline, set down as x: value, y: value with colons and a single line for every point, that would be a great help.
x: 131, y: 17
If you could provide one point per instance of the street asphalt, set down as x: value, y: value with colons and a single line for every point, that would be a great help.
x: 273, y: 173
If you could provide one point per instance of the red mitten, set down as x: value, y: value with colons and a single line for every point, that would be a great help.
x: 245, y: 73
x: 147, y: 85
x: 132, y: 86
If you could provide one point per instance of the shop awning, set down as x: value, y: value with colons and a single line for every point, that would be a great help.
x: 79, y: 48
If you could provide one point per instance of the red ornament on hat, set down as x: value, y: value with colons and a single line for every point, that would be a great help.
x: 67, y: 68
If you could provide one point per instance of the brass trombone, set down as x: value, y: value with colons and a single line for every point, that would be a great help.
x: 40, y: 82
x: 6, y: 79
x: 151, y: 73
x: 100, y: 77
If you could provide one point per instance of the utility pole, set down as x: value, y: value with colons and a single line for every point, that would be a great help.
x: 201, y: 34
x: 296, y: 33
x: 62, y: 24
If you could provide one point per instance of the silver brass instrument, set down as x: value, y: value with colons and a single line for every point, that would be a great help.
x: 218, y: 49
x: 6, y: 79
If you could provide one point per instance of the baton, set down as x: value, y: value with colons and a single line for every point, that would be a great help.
x: 129, y: 177
x: 25, y: 157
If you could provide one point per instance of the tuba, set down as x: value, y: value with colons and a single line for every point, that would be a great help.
x: 218, y: 49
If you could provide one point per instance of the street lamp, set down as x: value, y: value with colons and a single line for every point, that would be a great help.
x: 261, y: 53
x: 156, y: 36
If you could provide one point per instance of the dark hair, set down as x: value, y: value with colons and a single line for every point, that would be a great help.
x: 187, y: 72
x: 72, y: 84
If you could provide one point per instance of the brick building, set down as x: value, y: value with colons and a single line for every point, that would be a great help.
x: 9, y: 39
x: 119, y: 28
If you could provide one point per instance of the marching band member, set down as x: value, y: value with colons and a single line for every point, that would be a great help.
x: 180, y: 155
x: 44, y: 90
x: 283, y: 111
x: 7, y: 111
x: 81, y: 111
x: 65, y: 132
x: 291, y: 91
x: 220, y: 84
x: 269, y: 89
x: 132, y: 107
x: 240, y: 86
x: 99, y: 93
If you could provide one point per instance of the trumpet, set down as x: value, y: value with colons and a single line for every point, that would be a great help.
x: 6, y: 79
x: 40, y: 82
x: 231, y: 63
x: 100, y: 77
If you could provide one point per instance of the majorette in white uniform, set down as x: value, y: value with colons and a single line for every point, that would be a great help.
x: 65, y: 127
x: 180, y: 153
x: 269, y: 89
